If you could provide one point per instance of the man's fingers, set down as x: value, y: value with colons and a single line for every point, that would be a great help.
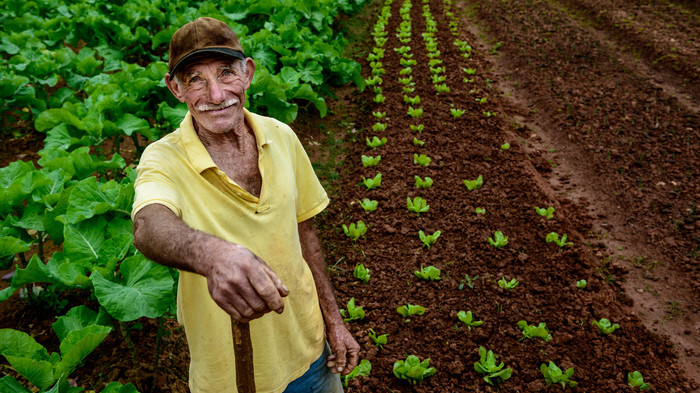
x: 267, y: 286
x: 353, y: 357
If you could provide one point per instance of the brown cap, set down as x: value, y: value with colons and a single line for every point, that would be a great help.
x: 203, y: 35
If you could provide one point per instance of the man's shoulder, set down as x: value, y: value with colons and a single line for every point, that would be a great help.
x: 270, y: 125
x: 166, y: 145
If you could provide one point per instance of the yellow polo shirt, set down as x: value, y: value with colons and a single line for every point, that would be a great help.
x: 178, y: 172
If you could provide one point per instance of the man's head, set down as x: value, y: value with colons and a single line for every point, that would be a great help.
x: 209, y: 72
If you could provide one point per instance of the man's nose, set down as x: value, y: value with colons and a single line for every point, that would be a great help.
x: 216, y: 92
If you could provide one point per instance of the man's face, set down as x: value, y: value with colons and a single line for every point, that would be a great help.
x: 214, y: 90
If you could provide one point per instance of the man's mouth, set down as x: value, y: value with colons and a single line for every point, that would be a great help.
x: 218, y: 107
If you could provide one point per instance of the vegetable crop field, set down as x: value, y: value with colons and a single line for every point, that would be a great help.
x: 514, y: 188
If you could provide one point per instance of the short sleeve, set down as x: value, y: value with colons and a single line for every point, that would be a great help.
x: 153, y: 184
x: 311, y: 197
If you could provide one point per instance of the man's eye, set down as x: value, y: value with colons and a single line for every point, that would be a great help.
x: 195, y: 79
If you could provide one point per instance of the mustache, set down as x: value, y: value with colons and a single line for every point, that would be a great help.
x: 212, y: 107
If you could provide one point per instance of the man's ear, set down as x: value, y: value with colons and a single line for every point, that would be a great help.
x: 175, y: 88
x: 249, y: 72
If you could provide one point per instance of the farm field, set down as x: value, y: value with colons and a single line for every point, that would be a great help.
x: 590, y: 107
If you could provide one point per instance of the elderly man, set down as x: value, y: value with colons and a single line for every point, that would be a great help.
x: 228, y: 199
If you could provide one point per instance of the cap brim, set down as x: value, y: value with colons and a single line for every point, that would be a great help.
x: 220, y: 51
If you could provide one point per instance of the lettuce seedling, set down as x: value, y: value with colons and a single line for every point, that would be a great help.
x: 379, y: 341
x: 368, y: 161
x: 355, y: 231
x: 547, y: 213
x: 418, y: 142
x: 403, y: 49
x: 417, y: 112
x: 468, y: 319
x: 437, y: 70
x: 410, y: 309
x: 505, y: 146
x: 407, y: 62
x: 361, y: 370
x: 421, y: 160
x: 406, y: 71
x: 379, y: 126
x: 428, y: 240
x: 376, y: 142
x: 423, y: 183
x: 480, y: 210
x: 605, y: 326
x: 487, y: 365
x: 474, y: 184
x: 375, y: 80
x: 436, y: 78
x: 408, y: 89
x: 581, y: 284
x: 508, y: 284
x: 532, y: 331
x: 428, y: 273
x: 377, y: 90
x: 369, y: 205
x: 353, y: 313
x: 411, y: 100
x: 469, y: 71
x: 413, y: 370
x: 467, y: 280
x: 406, y: 81
x: 372, y: 184
x: 418, y: 128
x: 361, y: 273
x: 457, y: 112
x: 499, y: 240
x: 418, y: 205
x: 636, y: 379
x: 434, y: 62
x: 554, y: 237
x: 553, y: 375
x: 379, y: 99
x: 379, y: 115
x: 442, y: 88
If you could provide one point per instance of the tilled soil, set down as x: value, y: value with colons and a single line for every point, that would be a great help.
x: 554, y: 86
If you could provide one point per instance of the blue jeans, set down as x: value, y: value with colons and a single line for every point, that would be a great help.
x: 319, y: 378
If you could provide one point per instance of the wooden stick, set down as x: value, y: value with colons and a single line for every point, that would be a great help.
x: 243, y: 350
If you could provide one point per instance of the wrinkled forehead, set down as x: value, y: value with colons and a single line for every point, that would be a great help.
x: 199, y: 62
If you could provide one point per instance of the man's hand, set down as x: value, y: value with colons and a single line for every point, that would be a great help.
x: 345, y: 350
x: 239, y: 282
x: 243, y: 285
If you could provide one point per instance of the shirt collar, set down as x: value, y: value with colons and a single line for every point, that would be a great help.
x: 196, y: 152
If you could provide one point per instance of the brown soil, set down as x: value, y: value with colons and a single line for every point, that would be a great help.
x: 602, y: 120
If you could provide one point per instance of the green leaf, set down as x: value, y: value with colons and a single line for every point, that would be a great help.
x: 84, y: 239
x: 130, y: 124
x: 145, y: 289
x: 11, y: 245
x: 77, y: 345
x: 27, y: 357
x: 116, y: 387
x: 10, y: 385
x: 36, y: 271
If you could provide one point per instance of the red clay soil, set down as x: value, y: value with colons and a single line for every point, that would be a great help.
x: 595, y: 130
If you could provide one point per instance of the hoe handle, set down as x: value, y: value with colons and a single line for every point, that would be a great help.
x: 243, y: 350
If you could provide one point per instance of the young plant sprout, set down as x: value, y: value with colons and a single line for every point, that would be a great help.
x: 418, y: 142
x: 554, y: 237
x: 374, y: 183
x: 418, y: 205
x: 361, y: 273
x: 605, y: 326
x: 508, y: 284
x: 532, y: 331
x: 547, y: 213
x: 417, y: 112
x: 369, y: 161
x: 355, y: 231
x: 428, y: 240
x: 368, y: 205
x: 375, y: 142
x: 423, y: 183
x: 468, y: 319
x: 353, y: 313
x: 488, y: 365
x: 499, y: 240
x: 474, y: 184
x: 379, y: 126
x: 413, y: 370
x: 421, y: 160
x: 553, y: 375
x: 417, y: 128
x: 380, y: 340
x: 428, y: 273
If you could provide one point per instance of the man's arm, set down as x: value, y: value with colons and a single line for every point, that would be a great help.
x: 239, y: 281
x: 345, y: 349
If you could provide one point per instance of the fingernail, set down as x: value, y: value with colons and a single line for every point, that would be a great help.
x: 340, y: 369
x: 285, y: 288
